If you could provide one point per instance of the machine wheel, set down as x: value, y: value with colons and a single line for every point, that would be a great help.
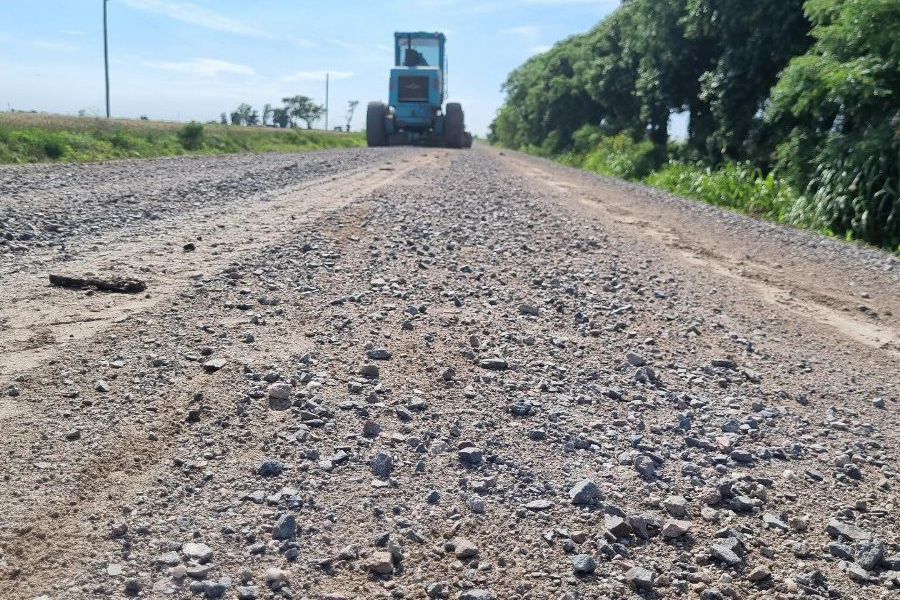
x: 376, y: 134
x: 454, y: 126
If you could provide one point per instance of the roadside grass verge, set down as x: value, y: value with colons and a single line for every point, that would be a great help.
x: 30, y: 138
x: 739, y: 187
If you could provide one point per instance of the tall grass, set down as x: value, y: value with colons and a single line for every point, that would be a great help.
x: 28, y: 137
x: 738, y: 186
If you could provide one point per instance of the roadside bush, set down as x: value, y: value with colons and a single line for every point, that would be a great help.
x: 855, y: 189
x: 191, y: 136
x: 740, y: 186
x: 54, y: 147
x: 620, y: 156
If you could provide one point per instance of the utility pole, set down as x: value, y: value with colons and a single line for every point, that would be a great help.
x: 106, y: 56
x: 327, y: 75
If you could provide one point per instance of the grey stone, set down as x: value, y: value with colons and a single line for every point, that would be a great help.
x: 674, y: 528
x: 774, y: 522
x: 197, y: 551
x: 463, y: 548
x: 583, y: 564
x: 645, y: 467
x: 438, y: 589
x: 857, y: 573
x: 617, y: 526
x: 285, y: 527
x: 382, y: 464
x: 493, y: 364
x: 270, y: 468
x: 839, y: 550
x: 215, y: 364
x: 378, y: 354
x: 585, y: 492
x: 839, y: 529
x: 168, y: 559
x: 869, y: 554
x: 280, y: 396
x: 741, y: 456
x: 370, y: 371
x: 676, y: 506
x: 471, y: 455
x: 476, y: 594
x: 639, y: 578
x: 247, y: 592
x: 726, y: 554
x: 380, y: 563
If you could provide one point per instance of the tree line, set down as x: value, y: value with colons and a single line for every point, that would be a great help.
x: 293, y: 111
x: 805, y: 90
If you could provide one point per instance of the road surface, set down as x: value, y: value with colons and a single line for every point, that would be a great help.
x: 408, y: 373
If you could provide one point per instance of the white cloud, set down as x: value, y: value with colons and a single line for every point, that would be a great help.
x: 316, y: 75
x: 74, y: 32
x: 202, y: 67
x: 521, y: 30
x: 197, y: 15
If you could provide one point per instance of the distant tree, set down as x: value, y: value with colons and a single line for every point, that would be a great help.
x: 281, y: 118
x: 303, y: 108
x: 223, y: 118
x: 266, y: 114
x: 144, y: 118
x: 245, y: 111
x: 235, y: 118
x: 351, y: 108
x: 252, y: 120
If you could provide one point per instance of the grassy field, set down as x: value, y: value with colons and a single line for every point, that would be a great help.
x: 31, y: 137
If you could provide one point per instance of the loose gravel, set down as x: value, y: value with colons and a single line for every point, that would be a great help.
x: 458, y: 385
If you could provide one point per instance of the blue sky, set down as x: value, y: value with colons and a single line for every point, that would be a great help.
x: 182, y: 60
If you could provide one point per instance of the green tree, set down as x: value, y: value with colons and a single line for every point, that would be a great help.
x: 281, y: 118
x: 741, y: 47
x: 245, y: 114
x: 840, y: 102
x: 266, y: 114
x: 303, y: 108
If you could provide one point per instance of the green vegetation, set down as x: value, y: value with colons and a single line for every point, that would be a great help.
x: 739, y: 186
x: 793, y: 107
x: 30, y: 137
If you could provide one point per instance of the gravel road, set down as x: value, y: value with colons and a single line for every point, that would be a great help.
x: 408, y: 373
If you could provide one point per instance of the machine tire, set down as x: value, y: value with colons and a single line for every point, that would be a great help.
x: 376, y: 134
x: 454, y: 126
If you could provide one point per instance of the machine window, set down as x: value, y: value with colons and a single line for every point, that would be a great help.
x: 419, y: 52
